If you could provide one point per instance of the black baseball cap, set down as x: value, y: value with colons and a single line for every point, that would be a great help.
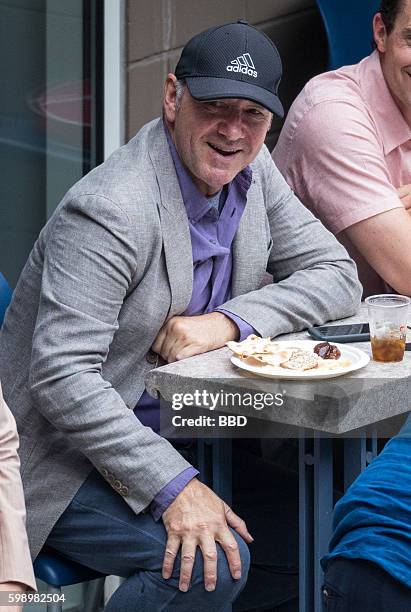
x: 234, y: 60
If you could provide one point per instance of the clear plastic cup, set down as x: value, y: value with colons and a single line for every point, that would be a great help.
x: 388, y: 316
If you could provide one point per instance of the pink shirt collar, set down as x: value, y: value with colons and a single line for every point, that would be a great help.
x: 390, y: 122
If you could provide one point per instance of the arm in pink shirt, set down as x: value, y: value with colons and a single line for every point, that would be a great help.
x: 333, y: 158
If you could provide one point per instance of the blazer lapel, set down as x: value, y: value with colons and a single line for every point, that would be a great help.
x: 174, y: 224
x: 249, y: 251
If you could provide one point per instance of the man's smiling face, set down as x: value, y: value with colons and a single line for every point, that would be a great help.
x: 395, y: 56
x: 216, y: 139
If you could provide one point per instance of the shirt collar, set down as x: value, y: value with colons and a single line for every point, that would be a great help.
x: 196, y: 204
x: 391, y: 124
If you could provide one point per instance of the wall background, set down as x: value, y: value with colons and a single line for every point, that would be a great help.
x: 157, y: 30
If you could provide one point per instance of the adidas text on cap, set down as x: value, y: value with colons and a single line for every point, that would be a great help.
x: 232, y: 61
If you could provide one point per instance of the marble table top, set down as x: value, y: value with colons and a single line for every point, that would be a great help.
x: 336, y: 406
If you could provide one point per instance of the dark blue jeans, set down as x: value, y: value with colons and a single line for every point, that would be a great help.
x: 100, y: 530
x: 355, y: 585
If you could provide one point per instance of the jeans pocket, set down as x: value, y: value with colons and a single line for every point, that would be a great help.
x: 333, y: 601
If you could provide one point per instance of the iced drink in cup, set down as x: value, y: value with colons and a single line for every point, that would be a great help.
x: 388, y: 326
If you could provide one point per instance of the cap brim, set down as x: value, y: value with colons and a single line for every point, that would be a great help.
x: 213, y: 88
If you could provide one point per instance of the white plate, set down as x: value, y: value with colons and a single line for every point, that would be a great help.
x: 358, y: 360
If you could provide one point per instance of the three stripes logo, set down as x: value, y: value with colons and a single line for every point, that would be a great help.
x: 244, y: 64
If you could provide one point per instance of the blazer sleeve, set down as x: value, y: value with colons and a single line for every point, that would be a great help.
x: 90, y: 261
x: 314, y: 279
x: 15, y: 561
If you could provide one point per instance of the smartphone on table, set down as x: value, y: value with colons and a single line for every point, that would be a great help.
x: 356, y: 332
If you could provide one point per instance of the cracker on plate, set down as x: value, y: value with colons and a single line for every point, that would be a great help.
x: 301, y: 360
x: 252, y: 345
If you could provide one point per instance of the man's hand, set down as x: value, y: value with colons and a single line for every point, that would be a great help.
x: 183, y: 337
x: 198, y: 517
x: 404, y: 193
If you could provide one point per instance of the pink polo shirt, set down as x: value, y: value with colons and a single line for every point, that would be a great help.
x: 344, y: 149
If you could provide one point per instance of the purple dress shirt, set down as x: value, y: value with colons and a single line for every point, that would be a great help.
x: 213, y: 223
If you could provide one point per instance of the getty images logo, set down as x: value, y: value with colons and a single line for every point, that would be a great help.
x: 243, y: 64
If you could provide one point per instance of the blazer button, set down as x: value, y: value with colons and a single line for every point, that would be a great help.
x: 151, y: 357
x: 123, y: 491
x: 104, y: 472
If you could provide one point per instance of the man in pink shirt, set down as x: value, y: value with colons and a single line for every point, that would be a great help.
x: 345, y: 149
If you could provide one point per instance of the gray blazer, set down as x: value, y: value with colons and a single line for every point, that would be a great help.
x: 110, y: 267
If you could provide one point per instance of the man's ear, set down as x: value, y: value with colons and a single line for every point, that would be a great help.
x: 380, y: 33
x: 169, y: 100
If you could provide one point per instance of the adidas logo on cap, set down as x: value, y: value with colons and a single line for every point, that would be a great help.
x: 244, y: 64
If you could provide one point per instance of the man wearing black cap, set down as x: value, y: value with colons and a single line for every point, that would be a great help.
x: 160, y: 253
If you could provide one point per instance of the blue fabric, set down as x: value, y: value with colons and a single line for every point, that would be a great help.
x: 99, y: 530
x: 355, y: 585
x: 58, y: 571
x: 372, y: 521
x: 5, y: 296
x: 351, y: 16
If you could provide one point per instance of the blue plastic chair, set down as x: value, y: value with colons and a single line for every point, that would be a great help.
x: 348, y: 25
x: 56, y: 572
x: 5, y: 296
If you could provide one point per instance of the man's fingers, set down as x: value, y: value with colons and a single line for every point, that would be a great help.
x: 172, y: 548
x: 230, y: 547
x: 169, y: 348
x: 183, y: 337
x: 207, y: 525
x: 209, y: 550
x: 188, y: 553
x: 406, y: 200
x: 164, y: 343
x: 175, y: 349
x: 404, y: 190
x: 187, y: 351
x: 237, y: 523
x: 158, y: 342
